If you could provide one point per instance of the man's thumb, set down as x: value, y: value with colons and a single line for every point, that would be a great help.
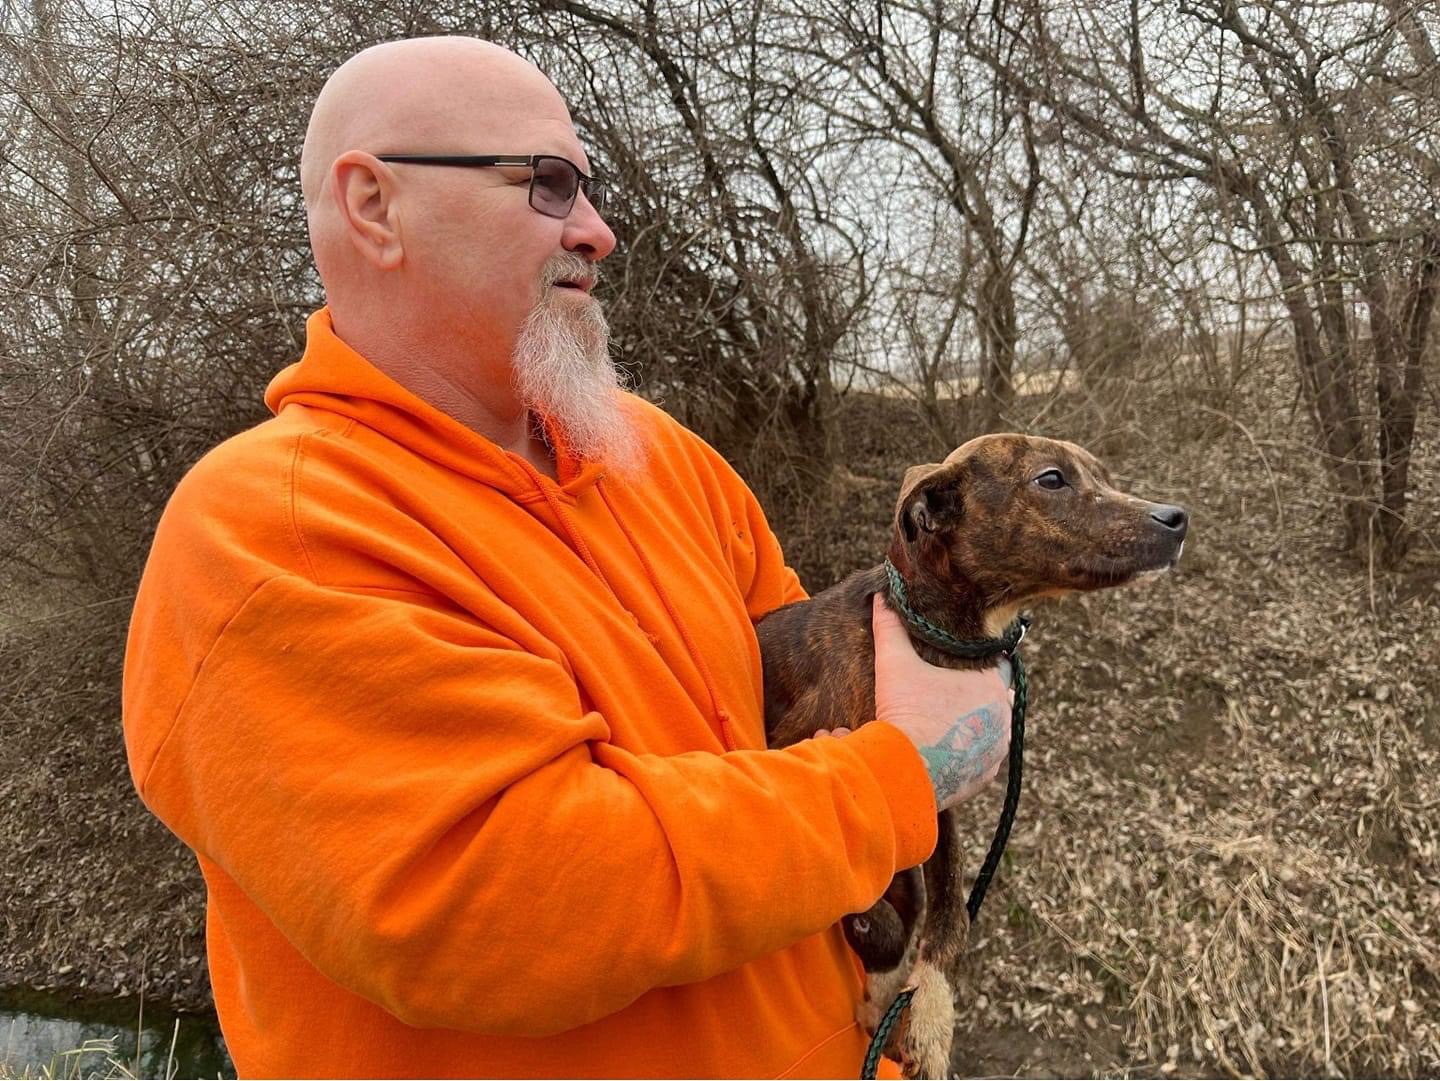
x: 889, y: 631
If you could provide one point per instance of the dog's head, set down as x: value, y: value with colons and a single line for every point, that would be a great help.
x: 1017, y: 517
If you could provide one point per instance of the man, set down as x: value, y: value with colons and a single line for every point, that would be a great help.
x: 448, y: 674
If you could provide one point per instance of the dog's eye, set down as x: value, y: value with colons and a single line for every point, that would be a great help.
x: 1051, y: 479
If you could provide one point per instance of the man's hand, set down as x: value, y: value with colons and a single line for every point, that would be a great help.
x: 959, y: 721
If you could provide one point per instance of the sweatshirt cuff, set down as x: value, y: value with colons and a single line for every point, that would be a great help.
x: 903, y: 778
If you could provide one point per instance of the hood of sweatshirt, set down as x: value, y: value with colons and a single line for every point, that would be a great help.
x: 333, y: 377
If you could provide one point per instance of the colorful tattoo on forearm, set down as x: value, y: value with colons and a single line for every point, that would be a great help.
x: 963, y: 753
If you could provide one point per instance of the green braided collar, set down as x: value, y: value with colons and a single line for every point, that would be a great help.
x: 942, y: 639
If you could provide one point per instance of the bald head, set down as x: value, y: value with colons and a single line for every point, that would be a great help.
x: 421, y: 95
x: 432, y: 271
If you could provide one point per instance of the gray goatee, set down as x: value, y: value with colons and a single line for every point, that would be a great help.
x: 563, y: 370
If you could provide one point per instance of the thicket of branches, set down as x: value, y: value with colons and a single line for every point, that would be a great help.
x: 1309, y: 136
x: 948, y: 196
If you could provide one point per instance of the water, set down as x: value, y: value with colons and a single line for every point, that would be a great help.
x: 50, y: 1034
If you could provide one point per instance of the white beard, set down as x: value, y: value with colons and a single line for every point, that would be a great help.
x: 563, y: 371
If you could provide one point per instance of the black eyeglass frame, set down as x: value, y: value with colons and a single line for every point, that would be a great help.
x: 595, y: 188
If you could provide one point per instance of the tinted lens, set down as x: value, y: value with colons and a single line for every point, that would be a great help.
x: 597, y: 191
x: 552, y: 190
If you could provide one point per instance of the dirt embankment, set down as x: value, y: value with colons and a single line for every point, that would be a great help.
x: 1227, y: 859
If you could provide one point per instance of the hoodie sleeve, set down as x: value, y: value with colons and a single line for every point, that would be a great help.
x: 760, y: 561
x: 436, y: 822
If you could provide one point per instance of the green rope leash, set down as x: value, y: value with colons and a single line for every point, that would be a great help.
x: 1012, y: 790
x: 882, y: 1033
x: 944, y: 640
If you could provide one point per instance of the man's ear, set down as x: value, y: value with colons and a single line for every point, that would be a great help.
x: 929, y: 499
x: 363, y: 188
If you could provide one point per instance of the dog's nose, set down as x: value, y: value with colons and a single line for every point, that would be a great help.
x: 1171, y: 517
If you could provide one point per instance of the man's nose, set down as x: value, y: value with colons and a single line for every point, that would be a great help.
x: 586, y: 231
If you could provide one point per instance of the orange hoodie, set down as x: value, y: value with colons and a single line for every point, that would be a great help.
x: 473, y: 761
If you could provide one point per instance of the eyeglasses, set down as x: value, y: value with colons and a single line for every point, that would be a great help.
x: 553, y: 180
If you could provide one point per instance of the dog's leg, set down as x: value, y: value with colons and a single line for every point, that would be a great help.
x: 904, y: 905
x: 880, y: 991
x: 878, y: 936
x: 881, y: 934
x: 926, y: 1046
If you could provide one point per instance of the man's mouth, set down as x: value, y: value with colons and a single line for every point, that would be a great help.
x: 583, y: 285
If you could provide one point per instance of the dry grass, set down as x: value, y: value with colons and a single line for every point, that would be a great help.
x: 97, y: 1058
x: 94, y: 1060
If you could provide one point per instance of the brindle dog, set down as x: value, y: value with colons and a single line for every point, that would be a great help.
x: 1003, y: 521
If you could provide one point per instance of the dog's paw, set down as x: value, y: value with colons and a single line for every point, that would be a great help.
x: 880, y: 991
x: 881, y: 987
x: 925, y: 1045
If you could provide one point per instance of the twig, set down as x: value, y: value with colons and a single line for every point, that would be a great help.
x: 1324, y: 1008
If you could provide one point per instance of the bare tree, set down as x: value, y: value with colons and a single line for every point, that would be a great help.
x: 744, y: 278
x: 802, y: 188
x: 903, y: 77
x: 1315, y: 129
x: 153, y: 275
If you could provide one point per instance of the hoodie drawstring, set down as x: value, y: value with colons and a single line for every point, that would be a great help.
x: 567, y: 523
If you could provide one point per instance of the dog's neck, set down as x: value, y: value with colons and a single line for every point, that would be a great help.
x: 952, y: 602
x: 998, y: 619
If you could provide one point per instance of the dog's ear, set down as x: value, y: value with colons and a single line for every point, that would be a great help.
x: 929, y: 499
